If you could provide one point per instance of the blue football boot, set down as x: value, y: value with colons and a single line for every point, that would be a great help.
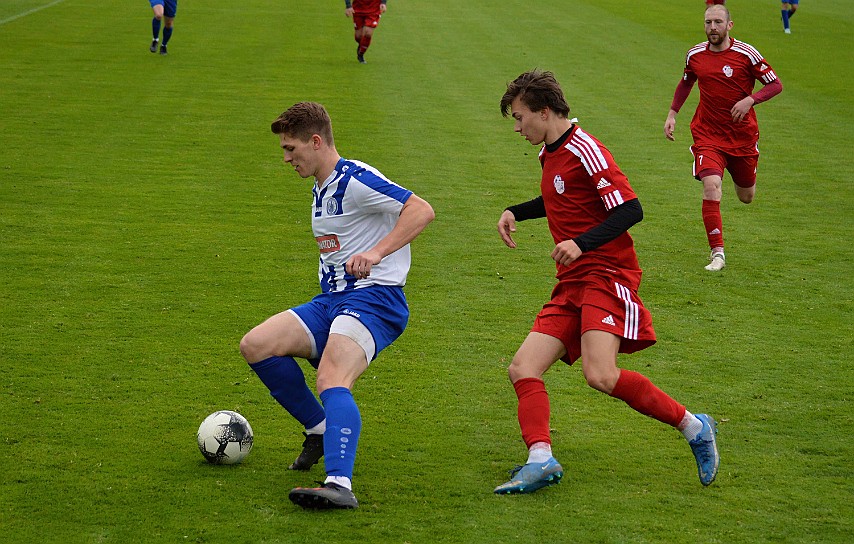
x: 705, y: 448
x: 531, y: 477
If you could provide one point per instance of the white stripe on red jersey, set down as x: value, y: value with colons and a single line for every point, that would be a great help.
x: 612, y: 199
x: 583, y: 147
x: 699, y: 48
x: 748, y: 50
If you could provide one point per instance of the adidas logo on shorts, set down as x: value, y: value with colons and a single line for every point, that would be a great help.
x: 609, y: 320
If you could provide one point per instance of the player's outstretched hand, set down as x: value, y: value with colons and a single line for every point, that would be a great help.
x: 507, y: 225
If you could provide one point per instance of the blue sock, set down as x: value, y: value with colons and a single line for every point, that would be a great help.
x: 167, y: 33
x: 791, y: 13
x: 785, y: 13
x: 155, y: 27
x: 286, y: 382
x: 343, y: 426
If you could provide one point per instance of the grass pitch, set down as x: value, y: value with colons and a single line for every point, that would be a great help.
x: 146, y: 223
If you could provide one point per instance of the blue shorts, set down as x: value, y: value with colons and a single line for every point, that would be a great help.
x: 382, y: 309
x: 170, y: 7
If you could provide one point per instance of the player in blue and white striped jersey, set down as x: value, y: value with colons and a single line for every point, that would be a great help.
x: 363, y: 224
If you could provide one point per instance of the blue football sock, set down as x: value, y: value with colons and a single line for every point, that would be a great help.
x: 155, y: 27
x: 286, y: 382
x: 343, y: 426
x: 167, y: 33
x: 791, y: 13
x: 785, y: 14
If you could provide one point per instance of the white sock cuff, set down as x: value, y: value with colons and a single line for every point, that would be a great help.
x: 320, y: 428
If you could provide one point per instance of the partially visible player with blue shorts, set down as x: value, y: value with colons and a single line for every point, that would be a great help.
x: 362, y: 224
x: 163, y: 9
x: 787, y: 12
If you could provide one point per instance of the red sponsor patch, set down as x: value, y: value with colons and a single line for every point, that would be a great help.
x: 328, y: 244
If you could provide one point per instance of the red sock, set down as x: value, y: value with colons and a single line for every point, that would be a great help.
x: 534, y: 411
x: 365, y: 43
x: 638, y: 392
x: 713, y: 222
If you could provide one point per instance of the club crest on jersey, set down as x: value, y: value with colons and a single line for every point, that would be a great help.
x: 328, y: 243
x: 728, y: 70
x: 559, y: 187
x: 331, y: 206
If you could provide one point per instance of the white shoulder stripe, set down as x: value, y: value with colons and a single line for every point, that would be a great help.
x: 749, y: 47
x: 583, y: 146
x: 699, y: 48
x: 747, y: 51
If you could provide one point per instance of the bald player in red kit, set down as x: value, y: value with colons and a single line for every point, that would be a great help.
x: 724, y: 127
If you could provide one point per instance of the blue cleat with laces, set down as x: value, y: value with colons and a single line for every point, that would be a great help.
x: 705, y: 448
x: 531, y: 477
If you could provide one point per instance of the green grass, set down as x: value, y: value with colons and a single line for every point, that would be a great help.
x: 146, y: 223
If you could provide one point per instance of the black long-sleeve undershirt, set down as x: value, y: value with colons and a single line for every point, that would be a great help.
x: 618, y: 221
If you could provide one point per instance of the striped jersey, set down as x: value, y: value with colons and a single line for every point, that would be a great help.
x: 353, y: 209
x: 581, y: 183
x: 724, y: 78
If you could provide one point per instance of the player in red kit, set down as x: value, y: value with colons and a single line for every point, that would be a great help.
x: 594, y: 312
x: 713, y: 2
x: 724, y: 127
x: 366, y: 16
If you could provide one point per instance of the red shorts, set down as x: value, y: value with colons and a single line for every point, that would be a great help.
x: 597, y: 303
x: 370, y: 20
x: 740, y: 163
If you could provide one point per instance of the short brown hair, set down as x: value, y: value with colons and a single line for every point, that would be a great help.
x: 538, y: 90
x: 303, y: 120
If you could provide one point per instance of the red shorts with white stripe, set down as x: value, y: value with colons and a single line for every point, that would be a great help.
x: 596, y: 303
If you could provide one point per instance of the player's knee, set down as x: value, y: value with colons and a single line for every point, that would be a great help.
x: 251, y: 347
x: 514, y: 370
x: 602, y: 381
x: 518, y: 370
x: 327, y: 379
x: 745, y: 194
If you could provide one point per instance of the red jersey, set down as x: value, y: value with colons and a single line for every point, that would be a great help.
x: 724, y: 78
x: 580, y: 184
x: 366, y: 6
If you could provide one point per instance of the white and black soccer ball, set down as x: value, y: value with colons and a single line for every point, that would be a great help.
x: 225, y: 438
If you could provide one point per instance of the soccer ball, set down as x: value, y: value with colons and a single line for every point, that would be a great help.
x: 224, y: 438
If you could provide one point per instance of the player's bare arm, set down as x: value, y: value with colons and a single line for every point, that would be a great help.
x: 415, y: 215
